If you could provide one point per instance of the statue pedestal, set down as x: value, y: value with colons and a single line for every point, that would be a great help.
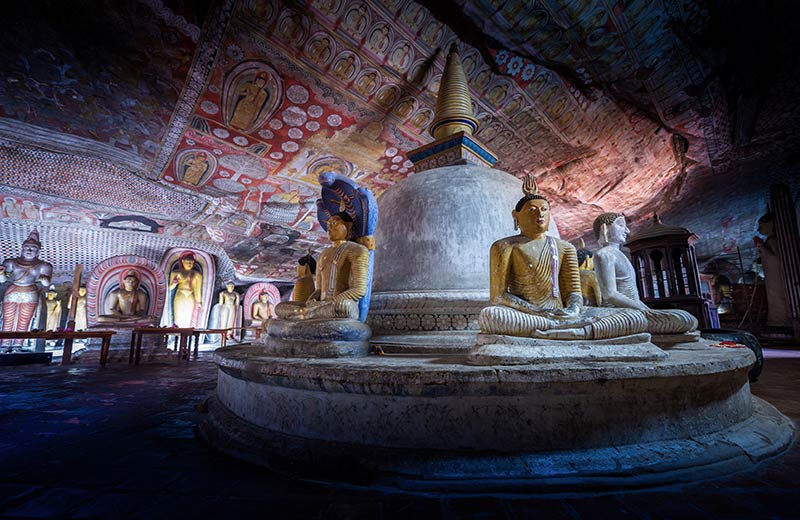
x: 493, y: 349
x: 316, y: 338
x: 434, y: 423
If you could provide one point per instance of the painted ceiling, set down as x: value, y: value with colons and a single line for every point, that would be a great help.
x: 212, y: 122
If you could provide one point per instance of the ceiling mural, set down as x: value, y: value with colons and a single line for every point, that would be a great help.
x: 235, y: 108
x: 121, y: 92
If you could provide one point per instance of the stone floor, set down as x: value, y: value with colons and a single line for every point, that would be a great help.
x: 85, y: 442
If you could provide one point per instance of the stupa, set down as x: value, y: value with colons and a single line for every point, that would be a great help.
x: 432, y: 247
x: 433, y: 418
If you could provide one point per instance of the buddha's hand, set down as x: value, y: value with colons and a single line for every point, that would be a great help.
x: 571, y: 312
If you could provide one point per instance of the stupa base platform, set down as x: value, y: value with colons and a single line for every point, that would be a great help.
x: 434, y: 423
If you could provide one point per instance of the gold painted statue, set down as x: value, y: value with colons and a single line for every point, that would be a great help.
x: 342, y: 273
x: 188, y: 285
x: 261, y: 311
x: 589, y: 287
x: 617, y: 279
x: 229, y: 308
x: 535, y: 284
x: 53, y: 305
x: 81, y: 323
x: 127, y: 303
x: 304, y: 285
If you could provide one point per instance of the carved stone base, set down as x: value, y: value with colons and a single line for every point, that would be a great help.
x: 493, y: 349
x: 316, y: 338
x: 426, y: 321
x: 432, y: 423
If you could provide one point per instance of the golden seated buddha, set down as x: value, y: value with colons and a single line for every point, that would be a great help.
x: 535, y: 284
x: 341, y: 279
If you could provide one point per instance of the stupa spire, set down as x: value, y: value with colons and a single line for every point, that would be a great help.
x: 453, y: 112
x: 453, y: 125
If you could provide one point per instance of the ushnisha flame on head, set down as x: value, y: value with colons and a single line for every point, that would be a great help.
x: 531, y: 191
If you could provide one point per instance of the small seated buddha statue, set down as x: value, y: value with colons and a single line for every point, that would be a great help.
x: 261, y: 311
x: 341, y: 280
x: 535, y: 284
x: 127, y: 303
x: 617, y: 279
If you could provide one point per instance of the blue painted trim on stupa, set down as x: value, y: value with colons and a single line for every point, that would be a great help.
x: 465, y: 121
x: 462, y: 139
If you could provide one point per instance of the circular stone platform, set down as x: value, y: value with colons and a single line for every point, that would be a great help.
x: 435, y: 423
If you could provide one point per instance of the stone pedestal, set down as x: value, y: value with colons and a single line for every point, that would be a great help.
x: 494, y: 349
x: 316, y: 338
x: 435, y: 423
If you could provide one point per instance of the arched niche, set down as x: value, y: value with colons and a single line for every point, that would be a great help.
x: 107, y: 276
x: 251, y: 296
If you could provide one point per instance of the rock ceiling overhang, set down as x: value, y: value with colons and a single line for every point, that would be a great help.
x: 612, y: 105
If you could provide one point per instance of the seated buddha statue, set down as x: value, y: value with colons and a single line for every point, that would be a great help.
x: 342, y: 272
x: 127, y: 303
x: 535, y: 286
x: 261, y: 312
x: 617, y: 279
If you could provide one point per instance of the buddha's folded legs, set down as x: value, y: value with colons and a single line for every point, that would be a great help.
x: 669, y: 321
x: 497, y: 319
x: 613, y: 323
x: 594, y: 323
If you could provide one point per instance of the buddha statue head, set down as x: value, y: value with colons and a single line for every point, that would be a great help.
x: 229, y: 286
x: 263, y: 297
x: 340, y: 227
x: 81, y: 291
x: 187, y: 261
x: 306, y: 266
x: 585, y: 257
x: 532, y: 212
x: 51, y: 293
x: 130, y: 282
x: 610, y: 228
